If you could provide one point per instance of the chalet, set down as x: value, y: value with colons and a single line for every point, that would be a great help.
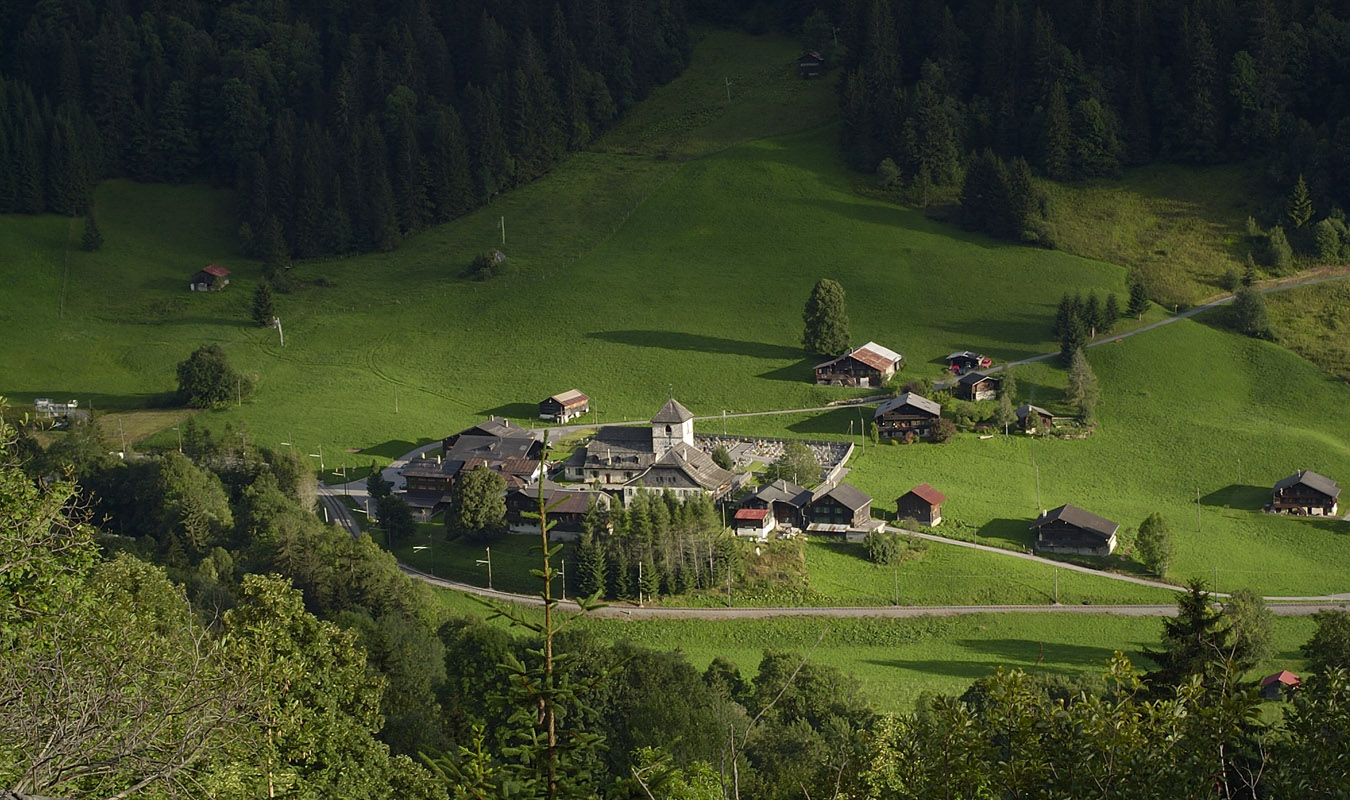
x: 838, y: 504
x: 209, y: 279
x: 1274, y: 686
x: 787, y: 502
x: 505, y: 449
x: 567, y: 509
x: 1033, y: 418
x: 965, y: 360
x: 1069, y: 529
x: 923, y: 504
x: 755, y: 523
x: 562, y: 407
x: 907, y: 414
x: 811, y: 64
x: 627, y: 460
x: 1305, y: 493
x: 977, y: 386
x: 869, y: 365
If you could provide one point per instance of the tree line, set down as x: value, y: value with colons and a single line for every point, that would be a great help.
x: 1082, y: 90
x: 343, y: 130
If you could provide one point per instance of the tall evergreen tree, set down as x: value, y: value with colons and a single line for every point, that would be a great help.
x: 826, y: 320
x: 92, y: 239
x: 264, y: 308
x: 1195, y: 642
x: 1083, y: 392
x: 1300, y: 204
x: 1138, y: 303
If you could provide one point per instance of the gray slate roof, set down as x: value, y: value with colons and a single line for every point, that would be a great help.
x: 1026, y: 408
x: 845, y: 494
x: 781, y: 491
x: 672, y: 413
x: 1077, y: 517
x: 1312, y: 480
x: 909, y: 399
x: 686, y: 466
x: 972, y: 378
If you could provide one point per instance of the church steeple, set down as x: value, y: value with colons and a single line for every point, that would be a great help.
x: 672, y: 425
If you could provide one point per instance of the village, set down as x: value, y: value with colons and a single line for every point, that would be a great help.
x: 613, y: 464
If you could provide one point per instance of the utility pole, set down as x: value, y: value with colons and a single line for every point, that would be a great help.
x: 1197, y: 509
x: 180, y: 438
x: 276, y: 323
x: 1056, y: 585
x: 1037, y: 469
x: 502, y: 225
x: 123, y: 434
x: 639, y: 584
x: 487, y: 561
x: 395, y: 399
x: 564, y: 580
x: 728, y: 82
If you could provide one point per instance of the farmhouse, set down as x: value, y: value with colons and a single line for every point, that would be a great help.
x: 1033, y: 418
x: 505, y: 449
x: 786, y: 502
x: 1069, y: 529
x: 811, y: 64
x: 567, y: 509
x: 906, y: 414
x: 869, y: 365
x: 209, y: 279
x: 923, y: 504
x: 977, y: 386
x: 562, y: 407
x: 1305, y: 493
x: 755, y: 523
x: 838, y: 504
x: 966, y: 360
x: 628, y: 460
x: 1272, y: 686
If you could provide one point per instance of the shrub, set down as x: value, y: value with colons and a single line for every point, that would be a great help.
x: 884, y: 547
x: 943, y: 430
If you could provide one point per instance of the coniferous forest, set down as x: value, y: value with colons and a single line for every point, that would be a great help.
x: 344, y: 126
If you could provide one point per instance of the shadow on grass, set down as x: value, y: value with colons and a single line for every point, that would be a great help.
x: 695, y: 342
x: 1040, y: 654
x: 1028, y: 329
x: 224, y: 322
x: 513, y: 410
x: 99, y: 402
x: 837, y: 421
x: 1013, y: 531
x: 801, y: 372
x: 957, y: 669
x: 394, y: 448
x: 1236, y: 495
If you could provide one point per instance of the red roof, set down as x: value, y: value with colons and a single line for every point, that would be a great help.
x: 1283, y: 676
x: 753, y: 514
x: 928, y: 494
x: 217, y: 270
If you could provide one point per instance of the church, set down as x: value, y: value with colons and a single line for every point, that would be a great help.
x: 628, y: 460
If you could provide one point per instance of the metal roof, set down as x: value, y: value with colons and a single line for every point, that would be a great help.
x: 1312, y: 480
x: 926, y: 493
x: 909, y: 399
x: 781, y: 491
x: 872, y: 354
x: 972, y: 378
x: 1027, y: 408
x: 216, y: 269
x: 845, y: 494
x: 756, y: 514
x: 1077, y: 517
x: 570, y: 397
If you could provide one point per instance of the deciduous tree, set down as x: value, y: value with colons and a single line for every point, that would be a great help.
x: 478, y: 504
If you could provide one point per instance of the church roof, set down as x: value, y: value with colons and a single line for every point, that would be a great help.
x: 672, y: 413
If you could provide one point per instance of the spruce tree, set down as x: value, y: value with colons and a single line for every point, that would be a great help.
x: 1083, y: 392
x: 1057, y: 158
x: 1300, y: 204
x: 591, y: 569
x: 1280, y: 255
x: 1063, y: 315
x: 1072, y: 339
x: 1195, y: 642
x: 264, y: 310
x: 1249, y: 313
x: 1092, y: 315
x: 1111, y: 313
x: 92, y: 239
x: 1138, y: 299
x: 826, y: 320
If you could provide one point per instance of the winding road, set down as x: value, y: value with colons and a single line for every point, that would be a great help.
x: 337, y: 512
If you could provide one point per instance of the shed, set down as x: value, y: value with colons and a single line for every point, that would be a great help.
x: 1305, y: 493
x: 966, y: 360
x: 977, y: 386
x: 564, y: 406
x: 868, y: 365
x: 1033, y: 418
x: 211, y: 278
x: 839, y: 504
x: 1069, y: 529
x: 1274, y: 686
x: 753, y: 522
x: 923, y: 504
x: 811, y: 64
x: 786, y: 500
x: 906, y: 414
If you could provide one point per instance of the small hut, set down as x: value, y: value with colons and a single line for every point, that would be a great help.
x: 212, y: 278
x: 1274, y: 687
x: 923, y: 504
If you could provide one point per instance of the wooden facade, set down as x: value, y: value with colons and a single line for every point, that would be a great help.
x: 907, y: 414
x: 977, y: 386
x: 1069, y: 529
x: 1034, y: 419
x: 1275, y: 687
x: 839, y: 504
x: 1305, y: 494
x: 923, y: 504
x: 811, y: 64
x: 565, y: 406
x: 567, y: 509
x: 870, y: 365
x: 209, y: 279
x: 787, y: 501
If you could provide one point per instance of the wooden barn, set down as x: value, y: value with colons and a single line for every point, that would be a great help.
x: 977, y: 386
x: 1274, y: 687
x: 209, y: 279
x: 811, y: 64
x: 787, y: 502
x: 1069, y: 529
x: 1034, y: 418
x: 755, y: 523
x: 566, y: 406
x: 906, y: 414
x: 567, y: 509
x: 1305, y: 494
x: 869, y: 365
x: 839, y: 504
x: 965, y: 361
x: 923, y: 504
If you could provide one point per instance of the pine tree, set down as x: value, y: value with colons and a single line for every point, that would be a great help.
x: 1195, y: 642
x: 92, y: 239
x: 1083, y: 392
x: 591, y: 569
x: 1110, y: 313
x: 826, y: 320
x: 264, y: 310
x: 1280, y: 255
x: 1063, y: 315
x: 1092, y: 315
x: 1300, y: 204
x: 1004, y: 415
x: 1057, y: 158
x: 1138, y: 299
